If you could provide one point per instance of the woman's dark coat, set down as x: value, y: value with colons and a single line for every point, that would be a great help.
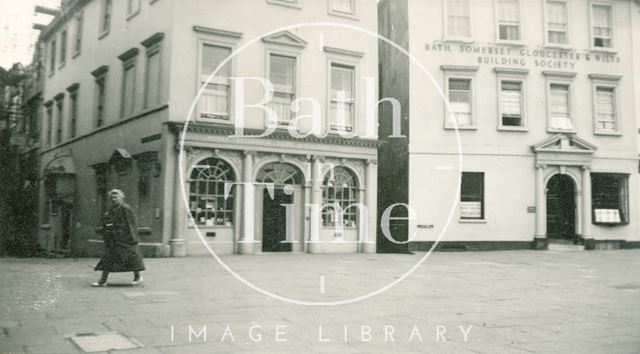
x: 120, y: 233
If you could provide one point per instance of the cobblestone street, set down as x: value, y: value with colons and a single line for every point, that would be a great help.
x: 499, y: 302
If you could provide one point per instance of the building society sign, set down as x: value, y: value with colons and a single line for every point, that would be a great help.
x: 525, y: 57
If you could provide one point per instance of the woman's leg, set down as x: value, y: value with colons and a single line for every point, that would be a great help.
x: 136, y: 275
x: 103, y: 278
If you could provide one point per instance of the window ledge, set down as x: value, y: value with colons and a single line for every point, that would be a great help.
x: 555, y: 131
x: 511, y: 43
x: 345, y: 15
x: 472, y: 221
x: 565, y: 47
x: 603, y: 50
x: 513, y: 129
x: 76, y: 54
x: 463, y: 40
x: 611, y: 224
x: 62, y: 65
x: 285, y: 4
x: 466, y: 127
x: 52, y: 72
x: 205, y: 227
x: 133, y: 14
x: 103, y: 34
x: 214, y: 120
x: 606, y: 133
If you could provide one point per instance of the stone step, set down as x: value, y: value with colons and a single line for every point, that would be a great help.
x: 564, y: 247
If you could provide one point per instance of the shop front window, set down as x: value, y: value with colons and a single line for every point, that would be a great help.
x: 207, y: 201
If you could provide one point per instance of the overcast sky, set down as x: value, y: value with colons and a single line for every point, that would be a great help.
x: 17, y: 37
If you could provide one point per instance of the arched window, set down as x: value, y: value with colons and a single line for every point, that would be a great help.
x: 340, y: 187
x: 207, y: 201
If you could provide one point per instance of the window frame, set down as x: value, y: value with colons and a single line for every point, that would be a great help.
x: 52, y: 52
x: 483, y: 200
x: 624, y: 218
x: 561, y: 78
x: 129, y: 64
x: 609, y: 82
x: 612, y: 17
x: 133, y: 11
x: 519, y: 40
x: 59, y: 104
x: 64, y: 38
x: 229, y: 202
x: 513, y: 75
x: 105, y: 18
x: 465, y: 73
x: 155, y: 49
x: 445, y: 20
x: 49, y: 116
x: 353, y: 65
x: 73, y: 111
x: 100, y: 115
x: 334, y: 12
x: 547, y: 42
x: 295, y: 55
x: 77, y: 42
x: 351, y: 215
x: 202, y: 42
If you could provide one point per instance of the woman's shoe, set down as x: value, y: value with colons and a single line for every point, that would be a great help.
x: 98, y: 284
x: 137, y: 281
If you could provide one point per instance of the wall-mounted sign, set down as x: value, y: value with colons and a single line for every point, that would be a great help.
x: 470, y: 209
x: 531, y: 209
x: 543, y: 58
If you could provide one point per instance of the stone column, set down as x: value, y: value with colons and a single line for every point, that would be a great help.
x: 540, y: 237
x: 316, y: 202
x: 371, y: 201
x: 586, y: 202
x: 177, y: 243
x: 246, y: 244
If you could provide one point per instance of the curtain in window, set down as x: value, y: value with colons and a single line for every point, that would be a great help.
x: 342, y: 83
x: 557, y: 21
x: 508, y: 19
x: 345, y: 6
x: 458, y: 18
x: 510, y: 102
x: 214, y: 102
x: 605, y: 108
x: 282, y: 76
x: 460, y: 100
x: 560, y: 110
x: 602, y: 26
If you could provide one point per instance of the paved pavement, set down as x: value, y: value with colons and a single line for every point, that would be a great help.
x: 504, y: 302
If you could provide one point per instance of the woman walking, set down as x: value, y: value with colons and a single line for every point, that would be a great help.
x: 120, y: 234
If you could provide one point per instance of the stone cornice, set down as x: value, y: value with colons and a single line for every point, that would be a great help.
x: 224, y: 130
x: 217, y: 32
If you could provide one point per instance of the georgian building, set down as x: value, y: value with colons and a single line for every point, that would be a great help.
x: 121, y: 83
x: 524, y: 134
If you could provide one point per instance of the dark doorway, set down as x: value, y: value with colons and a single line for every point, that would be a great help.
x: 561, y: 208
x: 274, y: 221
x: 66, y: 220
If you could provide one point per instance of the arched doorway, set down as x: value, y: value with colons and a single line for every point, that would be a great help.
x: 285, y: 180
x: 561, y: 208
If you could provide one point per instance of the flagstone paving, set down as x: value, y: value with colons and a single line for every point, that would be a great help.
x: 462, y: 302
